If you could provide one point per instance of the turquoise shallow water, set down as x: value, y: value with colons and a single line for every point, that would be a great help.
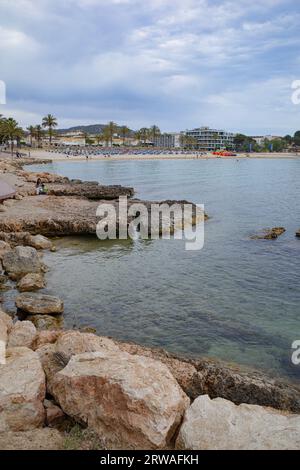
x: 237, y: 299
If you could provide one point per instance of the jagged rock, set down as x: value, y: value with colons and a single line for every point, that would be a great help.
x: 31, y: 282
x: 4, y: 248
x: 22, y: 391
x: 233, y: 383
x: 21, y: 261
x: 220, y: 425
x: 74, y: 342
x: 38, y: 304
x: 89, y: 190
x: 23, y: 333
x: 37, y: 439
x: 46, y: 322
x: 133, y: 401
x: 6, y: 320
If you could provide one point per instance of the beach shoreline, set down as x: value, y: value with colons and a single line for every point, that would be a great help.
x: 59, y: 157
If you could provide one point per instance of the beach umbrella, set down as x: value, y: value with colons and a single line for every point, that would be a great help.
x: 6, y: 191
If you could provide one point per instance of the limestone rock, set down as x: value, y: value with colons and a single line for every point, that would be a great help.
x: 21, y: 261
x: 221, y: 425
x: 239, y: 385
x: 46, y: 337
x: 133, y: 401
x: 31, y: 282
x: 39, y: 242
x: 74, y: 342
x: 6, y: 319
x: 36, y: 304
x: 37, y: 439
x: 23, y: 333
x: 22, y: 391
x: 4, y: 248
x: 46, y: 322
x: 54, y: 414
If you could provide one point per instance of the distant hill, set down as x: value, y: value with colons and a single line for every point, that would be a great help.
x: 90, y: 129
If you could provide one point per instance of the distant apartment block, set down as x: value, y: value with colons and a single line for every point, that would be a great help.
x: 260, y: 139
x: 211, y: 139
x: 171, y: 140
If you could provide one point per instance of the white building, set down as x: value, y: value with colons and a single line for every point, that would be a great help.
x: 211, y: 139
x: 260, y: 139
x: 168, y: 140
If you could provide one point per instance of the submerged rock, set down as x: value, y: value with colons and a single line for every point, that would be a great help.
x: 270, y: 234
x: 220, y: 425
x: 21, y: 261
x: 22, y: 391
x: 31, y: 282
x: 38, y: 304
x: 133, y: 401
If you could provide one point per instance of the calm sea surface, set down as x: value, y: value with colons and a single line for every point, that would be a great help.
x: 237, y: 299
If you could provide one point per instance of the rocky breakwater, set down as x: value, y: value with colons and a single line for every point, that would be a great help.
x: 130, y: 397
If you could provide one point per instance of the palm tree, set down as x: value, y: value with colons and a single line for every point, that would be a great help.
x: 124, y: 131
x: 154, y: 132
x: 50, y: 122
x: 39, y: 133
x: 11, y: 131
x: 109, y: 131
x: 144, y: 134
x: 86, y: 137
x: 99, y: 138
x: 32, y: 133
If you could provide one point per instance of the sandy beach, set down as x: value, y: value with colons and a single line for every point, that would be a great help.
x: 47, y: 155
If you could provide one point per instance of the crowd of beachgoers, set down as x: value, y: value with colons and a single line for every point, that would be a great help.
x: 92, y: 151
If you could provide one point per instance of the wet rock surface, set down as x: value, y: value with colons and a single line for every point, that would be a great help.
x: 32, y: 303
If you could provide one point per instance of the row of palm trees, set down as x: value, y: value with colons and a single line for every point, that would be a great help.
x: 10, y: 131
x: 143, y: 135
x: 49, y: 122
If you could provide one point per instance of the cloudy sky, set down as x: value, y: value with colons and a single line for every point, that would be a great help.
x: 176, y: 63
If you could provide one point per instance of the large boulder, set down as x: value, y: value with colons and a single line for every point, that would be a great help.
x: 37, y: 439
x: 133, y: 402
x: 38, y: 304
x: 221, y: 425
x: 31, y: 282
x: 21, y: 261
x: 22, y: 391
x: 23, y: 333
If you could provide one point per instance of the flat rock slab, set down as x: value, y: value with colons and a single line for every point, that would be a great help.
x: 39, y: 304
x: 220, y: 425
x: 270, y: 234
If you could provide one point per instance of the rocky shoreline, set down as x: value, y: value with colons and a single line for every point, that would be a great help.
x: 117, y: 395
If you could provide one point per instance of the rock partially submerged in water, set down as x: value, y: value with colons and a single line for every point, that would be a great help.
x: 220, y: 425
x: 270, y: 234
x: 39, y: 304
x: 31, y: 282
x: 298, y: 233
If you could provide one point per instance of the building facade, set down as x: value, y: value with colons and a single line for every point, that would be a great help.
x: 210, y: 140
x: 171, y: 140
